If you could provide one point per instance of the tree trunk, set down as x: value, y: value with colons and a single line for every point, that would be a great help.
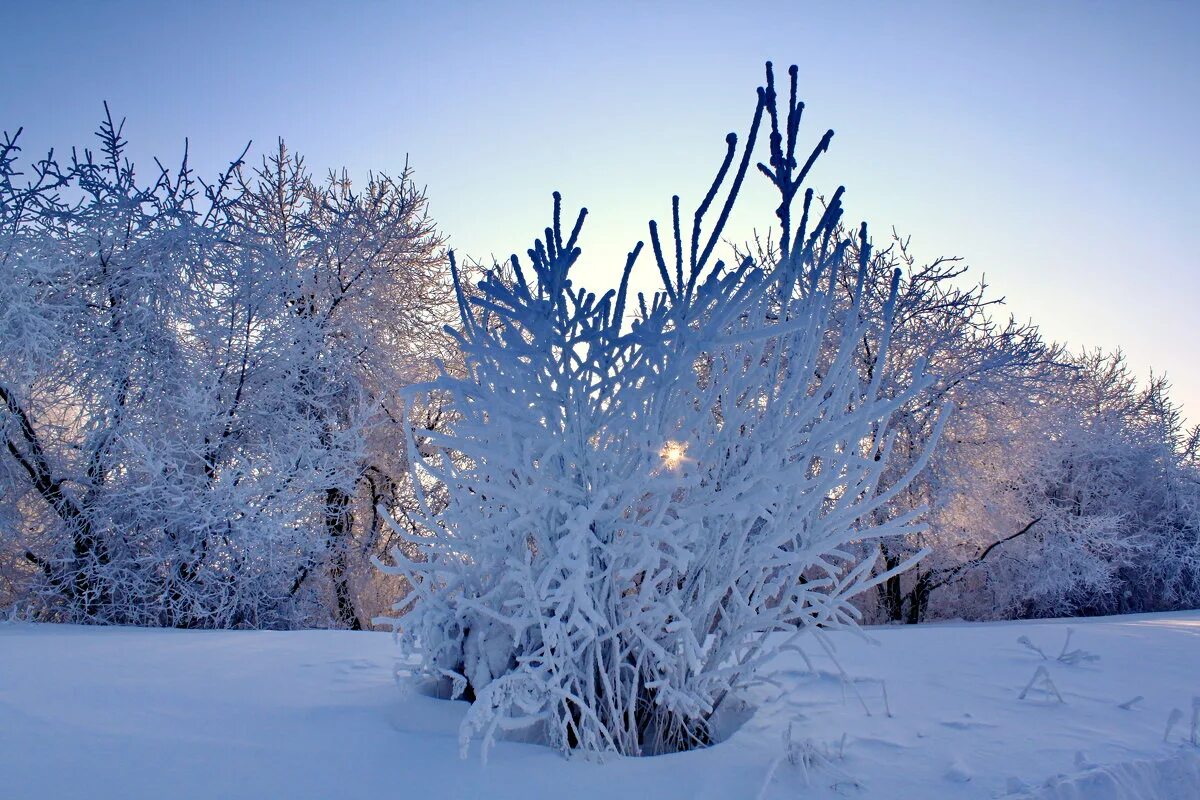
x: 918, y: 600
x: 339, y: 522
x: 75, y: 582
x: 891, y: 596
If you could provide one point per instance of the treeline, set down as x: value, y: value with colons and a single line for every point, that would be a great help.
x: 202, y: 426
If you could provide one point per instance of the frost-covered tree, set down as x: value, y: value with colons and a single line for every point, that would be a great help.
x: 183, y: 414
x: 366, y: 299
x: 642, y: 512
x: 1059, y: 485
x: 147, y: 487
x: 1004, y: 542
x: 1079, y: 498
x: 1132, y: 459
x: 984, y: 366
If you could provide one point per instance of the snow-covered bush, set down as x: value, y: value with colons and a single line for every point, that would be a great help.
x: 641, y: 513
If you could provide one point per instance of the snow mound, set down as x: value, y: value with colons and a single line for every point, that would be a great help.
x: 1175, y: 777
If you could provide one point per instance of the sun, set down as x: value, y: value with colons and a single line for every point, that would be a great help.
x: 673, y: 453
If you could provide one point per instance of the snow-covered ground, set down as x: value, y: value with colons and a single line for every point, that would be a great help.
x: 131, y: 713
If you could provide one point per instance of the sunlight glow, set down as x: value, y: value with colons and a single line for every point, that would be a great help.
x: 673, y: 453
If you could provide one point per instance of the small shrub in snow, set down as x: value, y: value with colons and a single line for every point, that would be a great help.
x: 1041, y: 680
x: 1066, y: 655
x: 1076, y: 656
x: 810, y: 755
x: 640, y: 513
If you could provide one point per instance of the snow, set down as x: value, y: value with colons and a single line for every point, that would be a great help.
x: 124, y: 713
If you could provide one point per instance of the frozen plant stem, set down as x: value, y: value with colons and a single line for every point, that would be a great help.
x: 1041, y: 678
x: 1172, y: 720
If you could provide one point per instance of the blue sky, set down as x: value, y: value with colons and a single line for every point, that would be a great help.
x: 1052, y: 145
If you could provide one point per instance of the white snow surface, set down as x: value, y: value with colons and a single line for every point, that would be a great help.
x: 132, y: 713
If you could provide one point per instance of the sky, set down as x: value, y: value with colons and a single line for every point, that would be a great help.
x: 1051, y: 145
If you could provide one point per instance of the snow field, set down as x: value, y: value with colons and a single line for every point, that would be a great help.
x: 132, y: 713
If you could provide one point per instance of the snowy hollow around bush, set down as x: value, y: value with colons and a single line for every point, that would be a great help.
x: 638, y: 511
